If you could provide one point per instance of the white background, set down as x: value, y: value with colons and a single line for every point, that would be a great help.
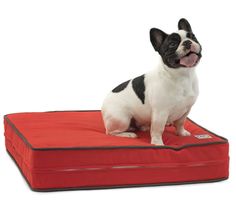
x: 65, y: 55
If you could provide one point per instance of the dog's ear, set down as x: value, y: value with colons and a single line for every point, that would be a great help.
x: 184, y: 25
x: 157, y: 37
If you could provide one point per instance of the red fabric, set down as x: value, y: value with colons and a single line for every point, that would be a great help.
x: 57, y: 150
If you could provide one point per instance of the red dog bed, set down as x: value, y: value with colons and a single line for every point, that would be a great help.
x: 69, y: 150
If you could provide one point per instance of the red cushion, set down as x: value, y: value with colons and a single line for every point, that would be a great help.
x: 70, y: 150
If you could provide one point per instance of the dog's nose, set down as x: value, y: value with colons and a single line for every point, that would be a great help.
x: 187, y: 44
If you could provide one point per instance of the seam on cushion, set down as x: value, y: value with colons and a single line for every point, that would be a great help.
x: 129, y: 147
x: 131, y: 166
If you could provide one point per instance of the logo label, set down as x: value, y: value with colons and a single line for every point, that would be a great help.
x: 203, y: 136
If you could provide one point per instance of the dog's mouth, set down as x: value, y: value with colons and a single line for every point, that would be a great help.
x: 191, y: 59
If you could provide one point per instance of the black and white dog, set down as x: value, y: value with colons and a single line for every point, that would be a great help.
x: 162, y: 96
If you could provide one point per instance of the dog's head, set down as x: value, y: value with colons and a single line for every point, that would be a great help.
x: 180, y: 49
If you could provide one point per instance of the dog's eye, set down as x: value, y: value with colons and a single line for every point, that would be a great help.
x: 172, y: 45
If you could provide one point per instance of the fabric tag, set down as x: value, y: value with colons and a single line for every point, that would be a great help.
x: 203, y: 136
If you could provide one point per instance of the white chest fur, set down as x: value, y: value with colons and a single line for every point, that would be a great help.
x: 173, y: 92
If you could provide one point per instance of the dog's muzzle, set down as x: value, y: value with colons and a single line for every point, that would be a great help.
x: 193, y: 55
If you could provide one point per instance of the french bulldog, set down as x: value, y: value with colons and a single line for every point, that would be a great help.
x: 161, y: 97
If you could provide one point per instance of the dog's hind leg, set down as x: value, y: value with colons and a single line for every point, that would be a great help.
x: 119, y: 126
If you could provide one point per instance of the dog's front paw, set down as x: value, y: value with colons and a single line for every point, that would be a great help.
x: 183, y: 132
x: 157, y: 141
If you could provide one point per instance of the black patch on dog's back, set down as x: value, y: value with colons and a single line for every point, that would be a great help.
x: 121, y: 87
x: 139, y: 87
